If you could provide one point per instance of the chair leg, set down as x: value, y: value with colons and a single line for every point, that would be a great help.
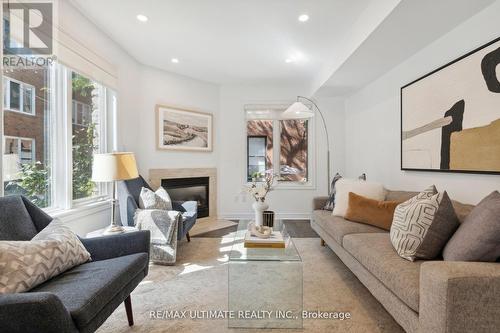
x: 188, y: 237
x: 322, y: 242
x: 128, y: 309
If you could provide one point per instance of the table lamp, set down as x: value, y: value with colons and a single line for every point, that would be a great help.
x: 111, y: 168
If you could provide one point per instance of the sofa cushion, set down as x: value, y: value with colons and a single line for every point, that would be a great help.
x: 375, y: 252
x: 86, y: 289
x: 15, y: 221
x: 399, y: 195
x: 338, y: 227
x: 461, y: 209
x: 478, y: 238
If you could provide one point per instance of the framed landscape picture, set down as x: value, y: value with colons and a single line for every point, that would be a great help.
x: 180, y: 129
x: 450, y: 118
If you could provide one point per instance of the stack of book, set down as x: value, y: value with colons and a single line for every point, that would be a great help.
x: 275, y: 241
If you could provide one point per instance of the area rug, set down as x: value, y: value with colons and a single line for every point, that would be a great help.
x: 199, y: 282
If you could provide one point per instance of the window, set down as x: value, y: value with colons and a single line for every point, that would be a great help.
x: 293, y: 150
x: 23, y: 149
x: 48, y: 157
x: 291, y: 158
x: 257, y: 148
x: 19, y: 96
x: 27, y: 147
x: 86, y: 95
x: 82, y: 113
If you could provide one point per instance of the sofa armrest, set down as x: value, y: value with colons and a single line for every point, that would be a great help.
x: 38, y: 312
x: 107, y: 247
x: 459, y: 296
x: 319, y: 202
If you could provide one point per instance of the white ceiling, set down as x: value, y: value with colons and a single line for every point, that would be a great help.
x: 229, y: 41
x: 410, y: 26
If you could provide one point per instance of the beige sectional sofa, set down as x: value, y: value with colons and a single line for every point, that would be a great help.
x: 422, y: 296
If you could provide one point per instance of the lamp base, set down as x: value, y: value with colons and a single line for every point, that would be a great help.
x: 113, y: 229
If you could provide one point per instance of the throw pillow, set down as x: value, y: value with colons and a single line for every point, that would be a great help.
x: 423, y: 225
x: 369, y: 211
x: 26, y: 264
x: 478, y: 238
x: 155, y: 200
x: 330, y: 203
x: 370, y: 190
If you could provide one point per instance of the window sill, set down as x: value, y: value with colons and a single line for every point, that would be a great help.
x: 81, y: 210
x: 21, y: 112
x: 290, y: 186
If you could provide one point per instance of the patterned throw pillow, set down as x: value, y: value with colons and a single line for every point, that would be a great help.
x: 26, y: 264
x: 423, y: 225
x: 330, y: 203
x: 155, y: 200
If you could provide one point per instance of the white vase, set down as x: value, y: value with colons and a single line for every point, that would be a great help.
x: 259, y: 208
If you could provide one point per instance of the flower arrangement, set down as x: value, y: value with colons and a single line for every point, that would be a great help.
x: 259, y: 190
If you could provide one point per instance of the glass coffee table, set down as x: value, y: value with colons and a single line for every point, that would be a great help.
x: 265, y: 285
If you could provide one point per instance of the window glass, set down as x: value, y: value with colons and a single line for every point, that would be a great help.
x: 85, y: 138
x: 267, y: 129
x: 27, y: 140
x: 5, y: 92
x: 27, y: 99
x: 26, y: 151
x: 15, y: 95
x: 260, y: 148
x: 256, y: 156
x: 293, y: 150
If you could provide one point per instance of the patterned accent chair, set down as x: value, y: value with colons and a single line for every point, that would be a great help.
x: 82, y: 298
x: 128, y: 197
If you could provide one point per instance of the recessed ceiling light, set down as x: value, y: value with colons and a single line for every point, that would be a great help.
x: 142, y: 18
x: 303, y: 18
x: 174, y: 60
x: 288, y: 60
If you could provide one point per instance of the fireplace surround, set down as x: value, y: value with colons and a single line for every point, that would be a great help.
x: 190, y: 189
x: 188, y: 176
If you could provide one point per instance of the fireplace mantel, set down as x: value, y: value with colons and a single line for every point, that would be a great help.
x: 156, y: 175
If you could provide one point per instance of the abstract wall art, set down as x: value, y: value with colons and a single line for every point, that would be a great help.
x: 450, y: 118
x: 180, y: 129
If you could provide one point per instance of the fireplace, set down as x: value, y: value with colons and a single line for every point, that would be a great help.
x: 190, y: 189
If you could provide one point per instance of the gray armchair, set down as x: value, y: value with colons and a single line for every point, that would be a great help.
x: 82, y: 298
x: 128, y: 197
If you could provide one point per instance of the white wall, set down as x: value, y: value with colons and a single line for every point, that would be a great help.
x: 373, y: 116
x: 231, y: 136
x: 160, y: 87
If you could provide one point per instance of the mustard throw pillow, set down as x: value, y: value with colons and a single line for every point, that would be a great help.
x: 369, y: 211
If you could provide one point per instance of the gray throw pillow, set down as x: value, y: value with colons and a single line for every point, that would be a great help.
x: 422, y: 225
x: 26, y: 264
x: 330, y: 203
x: 478, y: 238
x: 155, y: 200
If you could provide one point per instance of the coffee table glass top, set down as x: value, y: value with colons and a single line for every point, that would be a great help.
x: 240, y: 253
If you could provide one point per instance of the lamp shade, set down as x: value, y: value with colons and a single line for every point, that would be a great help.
x: 114, y: 166
x: 298, y: 110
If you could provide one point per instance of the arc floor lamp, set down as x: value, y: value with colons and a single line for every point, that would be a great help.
x: 299, y: 110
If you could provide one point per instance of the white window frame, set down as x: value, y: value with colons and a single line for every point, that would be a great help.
x: 61, y: 146
x: 310, y: 184
x: 22, y: 85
